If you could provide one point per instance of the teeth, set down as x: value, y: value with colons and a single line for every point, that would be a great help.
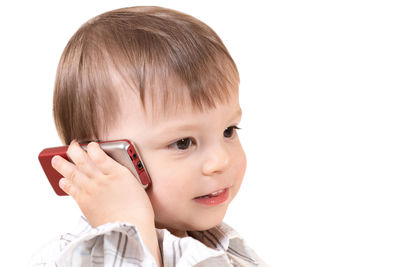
x: 213, y: 194
x: 217, y: 193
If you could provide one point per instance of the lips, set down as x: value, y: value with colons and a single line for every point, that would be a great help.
x: 214, y: 194
x: 214, y: 198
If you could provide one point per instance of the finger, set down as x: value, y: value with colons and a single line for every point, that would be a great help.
x: 81, y: 159
x: 103, y: 162
x: 63, y: 166
x: 68, y: 187
x: 73, y: 181
x: 68, y: 170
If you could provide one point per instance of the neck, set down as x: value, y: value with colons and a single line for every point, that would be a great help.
x: 178, y: 233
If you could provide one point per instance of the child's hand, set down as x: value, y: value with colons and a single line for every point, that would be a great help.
x: 104, y: 190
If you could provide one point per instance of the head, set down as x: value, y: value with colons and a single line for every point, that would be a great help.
x: 164, y: 80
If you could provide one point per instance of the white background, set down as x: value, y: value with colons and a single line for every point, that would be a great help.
x: 321, y: 126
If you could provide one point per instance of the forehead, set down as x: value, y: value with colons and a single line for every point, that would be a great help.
x: 163, y: 98
x: 181, y: 105
x: 157, y: 108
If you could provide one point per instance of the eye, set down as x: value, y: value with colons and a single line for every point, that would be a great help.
x: 228, y: 133
x: 182, y: 144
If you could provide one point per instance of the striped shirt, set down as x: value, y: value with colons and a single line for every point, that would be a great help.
x: 120, y: 244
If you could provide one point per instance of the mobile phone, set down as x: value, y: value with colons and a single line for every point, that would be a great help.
x: 123, y: 151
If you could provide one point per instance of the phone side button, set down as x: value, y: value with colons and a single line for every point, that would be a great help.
x: 140, y: 165
x: 144, y: 179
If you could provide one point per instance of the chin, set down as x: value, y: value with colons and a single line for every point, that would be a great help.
x: 205, y: 222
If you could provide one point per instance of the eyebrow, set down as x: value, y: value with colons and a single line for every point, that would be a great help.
x: 190, y: 126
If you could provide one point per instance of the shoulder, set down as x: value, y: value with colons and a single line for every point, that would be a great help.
x: 111, y: 243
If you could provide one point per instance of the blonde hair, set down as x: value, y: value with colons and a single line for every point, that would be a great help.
x: 152, y: 50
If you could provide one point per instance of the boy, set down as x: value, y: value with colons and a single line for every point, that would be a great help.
x: 166, y: 81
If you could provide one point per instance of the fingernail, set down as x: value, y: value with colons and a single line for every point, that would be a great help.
x: 62, y: 183
x: 54, y: 160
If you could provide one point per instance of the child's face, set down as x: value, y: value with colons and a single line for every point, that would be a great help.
x: 188, y: 155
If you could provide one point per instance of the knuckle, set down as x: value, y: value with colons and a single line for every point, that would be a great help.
x: 80, y: 161
x: 65, y: 184
x: 77, y: 155
x: 96, y: 153
x: 74, y: 175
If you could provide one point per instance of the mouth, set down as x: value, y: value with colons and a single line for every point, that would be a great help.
x: 214, y: 198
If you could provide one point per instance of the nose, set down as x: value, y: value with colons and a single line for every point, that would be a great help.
x: 217, y: 160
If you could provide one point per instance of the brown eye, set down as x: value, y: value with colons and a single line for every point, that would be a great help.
x: 182, y: 144
x: 228, y: 133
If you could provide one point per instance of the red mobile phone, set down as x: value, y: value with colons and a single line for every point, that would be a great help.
x: 123, y: 151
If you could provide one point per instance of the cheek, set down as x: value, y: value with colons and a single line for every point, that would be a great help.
x: 170, y: 194
x: 244, y: 162
x: 240, y: 164
x: 168, y: 182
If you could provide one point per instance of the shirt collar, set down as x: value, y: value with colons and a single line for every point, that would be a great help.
x: 224, y: 237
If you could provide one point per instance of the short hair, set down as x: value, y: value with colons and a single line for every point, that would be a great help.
x: 150, y: 49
